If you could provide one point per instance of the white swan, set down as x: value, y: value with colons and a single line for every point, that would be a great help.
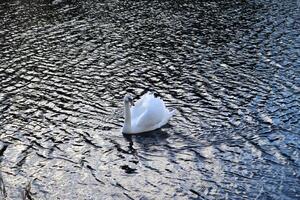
x: 149, y: 113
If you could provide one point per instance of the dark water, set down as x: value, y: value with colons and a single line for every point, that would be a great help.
x: 230, y: 68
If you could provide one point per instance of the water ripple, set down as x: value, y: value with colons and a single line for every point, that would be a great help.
x: 230, y: 69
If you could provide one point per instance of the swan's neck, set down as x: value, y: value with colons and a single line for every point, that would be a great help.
x: 127, y: 122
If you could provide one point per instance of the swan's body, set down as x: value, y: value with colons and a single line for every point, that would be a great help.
x: 149, y: 113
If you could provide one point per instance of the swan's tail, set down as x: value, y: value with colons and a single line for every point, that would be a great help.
x: 171, y: 113
x: 166, y: 119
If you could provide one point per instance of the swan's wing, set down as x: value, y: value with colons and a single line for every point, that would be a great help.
x: 146, y: 97
x: 141, y: 105
x: 153, y: 115
x: 137, y: 111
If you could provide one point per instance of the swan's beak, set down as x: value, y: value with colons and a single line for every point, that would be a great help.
x: 131, y: 102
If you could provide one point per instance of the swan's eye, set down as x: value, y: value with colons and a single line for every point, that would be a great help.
x: 128, y: 99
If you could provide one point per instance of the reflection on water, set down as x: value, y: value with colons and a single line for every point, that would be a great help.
x: 230, y: 68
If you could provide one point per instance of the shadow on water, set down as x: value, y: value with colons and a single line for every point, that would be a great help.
x: 147, y: 139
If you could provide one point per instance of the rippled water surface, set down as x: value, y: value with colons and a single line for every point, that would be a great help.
x: 230, y: 68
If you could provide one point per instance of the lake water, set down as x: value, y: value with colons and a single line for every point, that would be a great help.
x: 230, y: 68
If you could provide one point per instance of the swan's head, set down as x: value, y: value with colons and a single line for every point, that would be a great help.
x: 128, y: 99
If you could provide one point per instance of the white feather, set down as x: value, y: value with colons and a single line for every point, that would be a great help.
x: 149, y: 113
